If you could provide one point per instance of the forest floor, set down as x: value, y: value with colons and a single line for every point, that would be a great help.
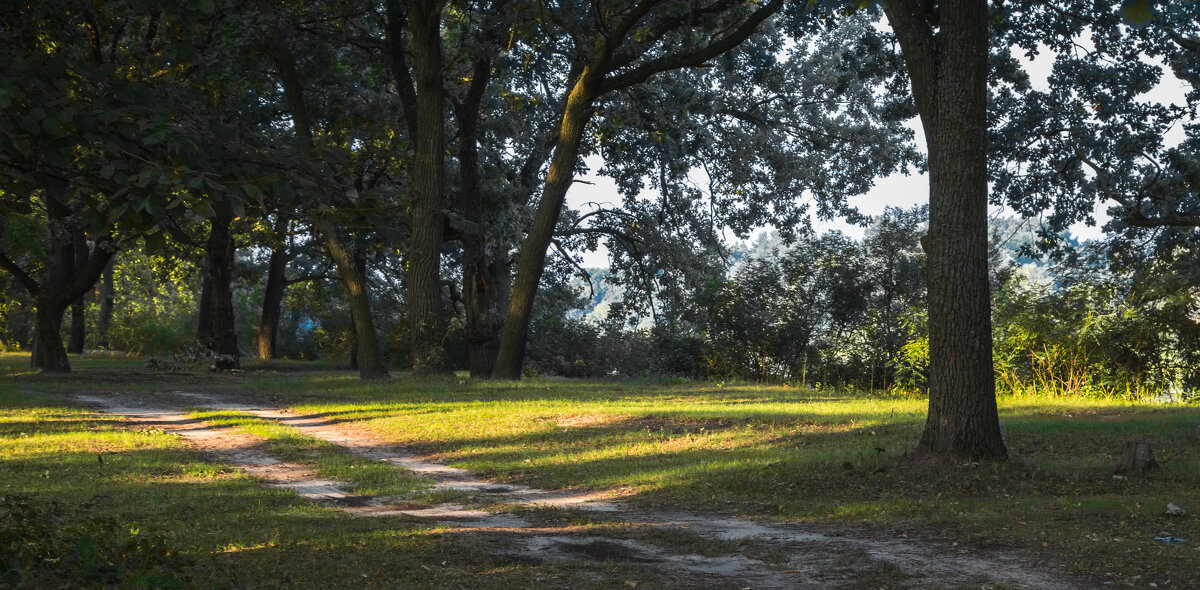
x: 281, y: 476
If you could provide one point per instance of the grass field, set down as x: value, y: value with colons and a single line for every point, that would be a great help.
x: 828, y: 458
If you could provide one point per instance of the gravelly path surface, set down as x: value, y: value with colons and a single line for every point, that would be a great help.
x: 815, y: 558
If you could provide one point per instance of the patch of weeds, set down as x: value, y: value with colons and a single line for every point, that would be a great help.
x: 42, y: 545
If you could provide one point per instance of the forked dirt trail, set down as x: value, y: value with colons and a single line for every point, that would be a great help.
x: 804, y: 556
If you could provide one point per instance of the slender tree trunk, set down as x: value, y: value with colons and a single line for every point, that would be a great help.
x: 360, y: 267
x: 78, y: 336
x: 220, y: 271
x: 104, y: 320
x: 423, y: 287
x: 485, y: 281
x: 370, y: 362
x: 353, y: 343
x: 485, y: 295
x: 532, y: 260
x: 366, y: 343
x: 76, y: 341
x: 948, y: 71
x: 266, y: 337
x: 204, y: 320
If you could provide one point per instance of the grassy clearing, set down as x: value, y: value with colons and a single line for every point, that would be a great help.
x: 817, y: 457
x: 829, y: 458
x: 91, y: 501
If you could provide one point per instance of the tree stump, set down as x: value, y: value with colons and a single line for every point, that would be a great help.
x: 1138, y: 457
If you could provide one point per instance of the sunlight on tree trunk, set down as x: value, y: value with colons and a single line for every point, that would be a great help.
x: 948, y: 71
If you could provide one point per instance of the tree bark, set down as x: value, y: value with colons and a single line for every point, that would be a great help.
x: 266, y: 338
x: 49, y: 354
x: 423, y: 287
x: 104, y: 320
x: 370, y: 365
x: 532, y: 260
x: 62, y: 283
x: 485, y: 280
x: 370, y: 362
x: 78, y: 337
x: 220, y: 250
x: 204, y: 321
x: 948, y: 71
x: 1136, y: 457
x: 485, y: 295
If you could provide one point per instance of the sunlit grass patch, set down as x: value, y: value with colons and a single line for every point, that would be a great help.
x: 802, y: 455
x: 835, y: 459
x: 150, y: 512
x: 328, y: 459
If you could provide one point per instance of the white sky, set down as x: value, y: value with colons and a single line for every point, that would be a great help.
x: 897, y: 190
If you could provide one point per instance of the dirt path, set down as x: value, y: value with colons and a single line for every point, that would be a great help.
x: 804, y: 557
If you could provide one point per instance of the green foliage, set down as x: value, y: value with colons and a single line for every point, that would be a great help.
x: 156, y: 298
x: 44, y: 544
x: 1097, y: 333
x: 1091, y: 333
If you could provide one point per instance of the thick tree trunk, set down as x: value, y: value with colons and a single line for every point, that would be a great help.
x: 76, y: 341
x: 423, y: 286
x: 948, y: 71
x: 485, y: 295
x: 50, y: 297
x: 267, y: 335
x: 62, y: 283
x: 104, y: 320
x: 532, y: 258
x: 220, y: 249
x: 49, y: 354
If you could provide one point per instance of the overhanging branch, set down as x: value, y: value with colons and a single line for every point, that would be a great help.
x: 692, y: 58
x: 19, y: 273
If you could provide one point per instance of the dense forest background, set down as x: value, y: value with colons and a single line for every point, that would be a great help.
x: 1102, y: 318
x: 384, y: 184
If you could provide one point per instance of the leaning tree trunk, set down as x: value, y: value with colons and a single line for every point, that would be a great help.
x: 423, y: 285
x: 267, y: 335
x: 532, y: 260
x: 370, y: 364
x: 366, y: 346
x: 104, y: 320
x: 220, y: 250
x: 948, y: 70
